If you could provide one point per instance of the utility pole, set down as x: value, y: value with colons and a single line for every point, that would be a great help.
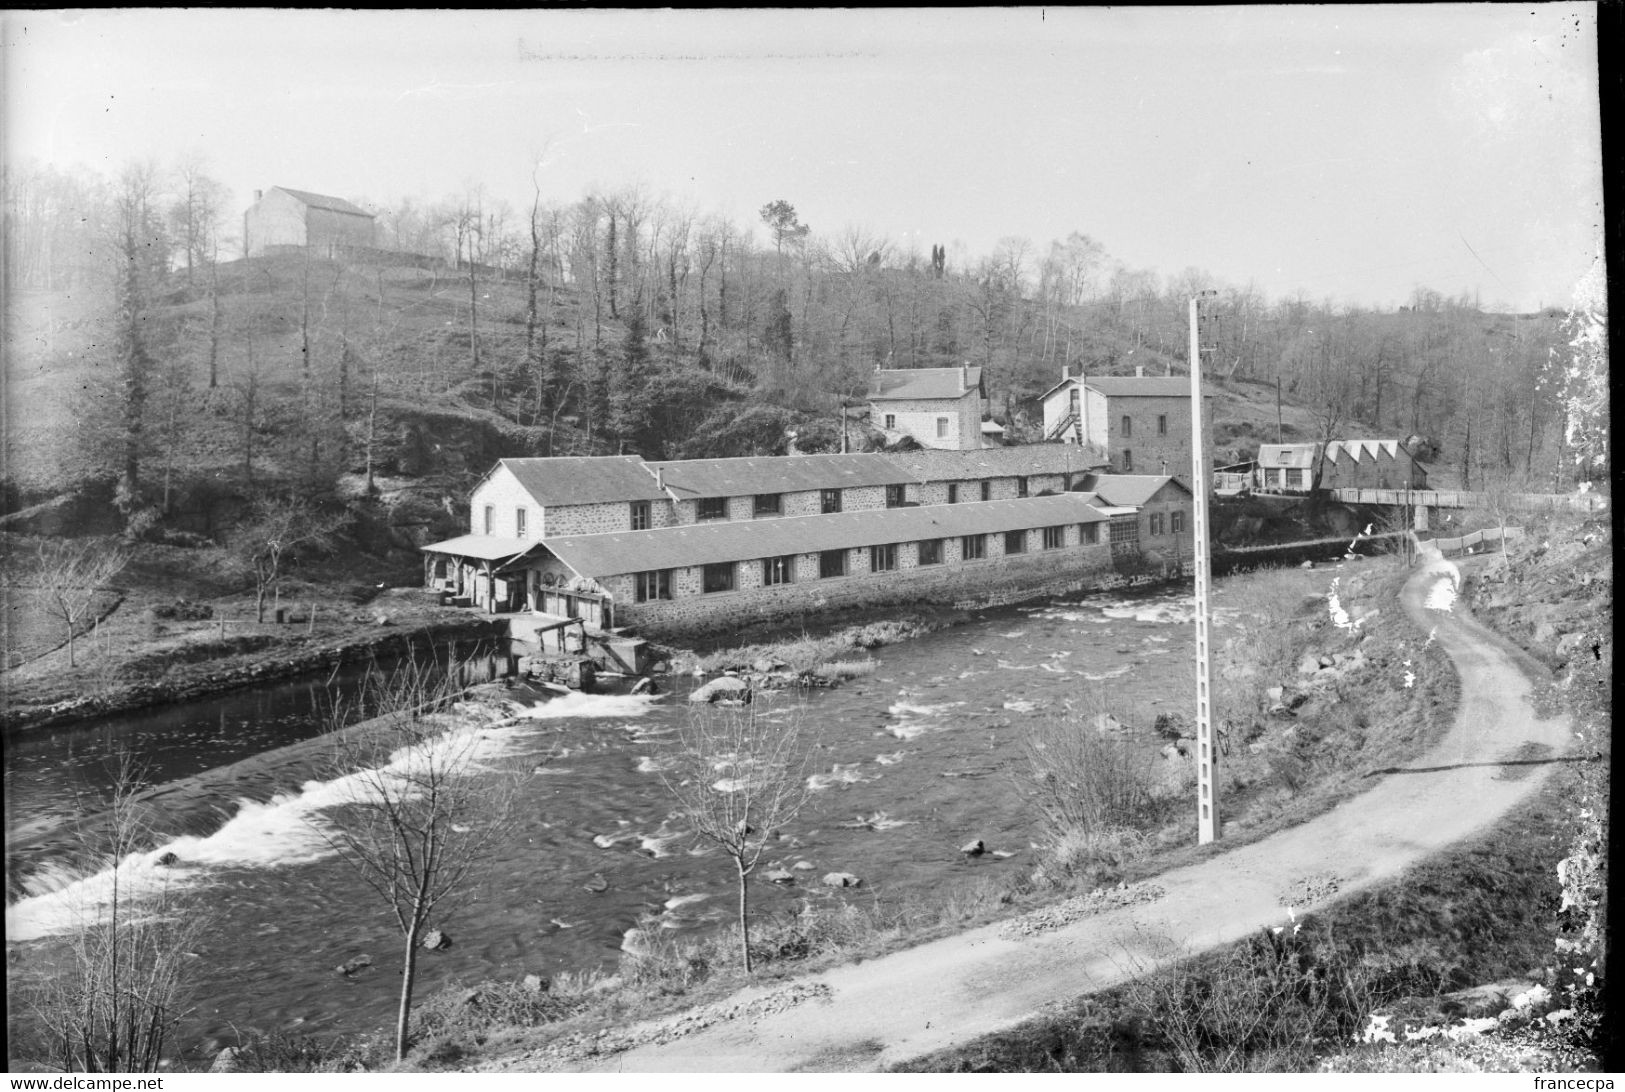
x: 1207, y: 803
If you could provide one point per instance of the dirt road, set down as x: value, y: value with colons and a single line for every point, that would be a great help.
x: 873, y: 1014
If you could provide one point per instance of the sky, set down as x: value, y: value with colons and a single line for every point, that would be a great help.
x: 1342, y: 153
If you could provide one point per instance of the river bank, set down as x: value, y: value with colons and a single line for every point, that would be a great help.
x: 135, y: 661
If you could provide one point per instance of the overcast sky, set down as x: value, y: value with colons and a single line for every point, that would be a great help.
x: 1350, y: 153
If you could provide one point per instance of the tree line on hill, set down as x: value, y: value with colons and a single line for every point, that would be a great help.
x: 622, y: 321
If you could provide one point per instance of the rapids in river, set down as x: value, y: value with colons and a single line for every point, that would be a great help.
x: 911, y: 762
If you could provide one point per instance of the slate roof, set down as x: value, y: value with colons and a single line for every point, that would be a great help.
x: 1131, y: 386
x: 745, y: 540
x: 691, y: 478
x: 936, y: 465
x: 1132, y: 490
x: 1290, y: 456
x: 898, y: 383
x: 322, y: 201
x: 482, y: 547
x: 1107, y: 509
x: 571, y: 480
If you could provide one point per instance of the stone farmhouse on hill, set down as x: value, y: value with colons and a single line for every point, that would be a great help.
x: 939, y: 407
x: 1143, y: 423
x: 669, y: 547
x: 1348, y: 464
x: 283, y: 218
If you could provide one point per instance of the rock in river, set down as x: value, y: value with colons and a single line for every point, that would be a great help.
x: 722, y: 688
x: 841, y: 879
x: 974, y: 849
x: 350, y: 966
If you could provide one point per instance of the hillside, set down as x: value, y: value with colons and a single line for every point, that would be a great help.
x: 295, y: 369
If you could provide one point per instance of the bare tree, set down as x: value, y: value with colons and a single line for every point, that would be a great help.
x: 762, y: 786
x: 421, y: 812
x: 70, y: 575
x: 111, y: 998
x: 278, y: 529
x: 198, y: 209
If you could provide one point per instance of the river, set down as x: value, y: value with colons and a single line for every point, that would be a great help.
x: 911, y: 762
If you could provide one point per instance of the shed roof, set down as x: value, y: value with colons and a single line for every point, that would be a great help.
x: 587, y: 479
x: 322, y: 201
x: 690, y: 478
x: 1133, y: 490
x: 897, y: 383
x: 1291, y: 456
x: 482, y: 547
x: 700, y: 544
x: 1021, y: 460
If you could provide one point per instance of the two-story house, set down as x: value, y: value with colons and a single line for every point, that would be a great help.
x: 939, y: 407
x: 281, y: 217
x: 1143, y: 423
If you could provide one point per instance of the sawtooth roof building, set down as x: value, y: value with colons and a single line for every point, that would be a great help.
x: 1348, y: 464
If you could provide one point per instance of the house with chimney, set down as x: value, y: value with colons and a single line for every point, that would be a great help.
x: 283, y: 219
x: 939, y: 407
x: 1143, y: 423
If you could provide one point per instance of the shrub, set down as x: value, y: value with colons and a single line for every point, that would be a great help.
x: 1267, y: 1004
x: 279, y: 1052
x: 1083, y: 782
x: 476, y: 1010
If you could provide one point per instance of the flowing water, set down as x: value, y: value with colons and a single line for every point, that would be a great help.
x: 911, y: 762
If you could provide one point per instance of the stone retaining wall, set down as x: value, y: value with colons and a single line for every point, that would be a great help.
x: 999, y: 580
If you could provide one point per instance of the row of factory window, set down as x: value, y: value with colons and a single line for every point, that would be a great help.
x: 723, y: 576
x: 763, y: 504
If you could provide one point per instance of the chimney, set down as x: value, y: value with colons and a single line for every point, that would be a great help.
x: 660, y: 477
x: 964, y: 377
x: 258, y: 194
x: 1139, y: 371
x: 1064, y: 376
